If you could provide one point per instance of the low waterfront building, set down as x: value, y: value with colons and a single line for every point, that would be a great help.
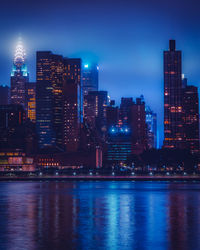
x: 16, y: 161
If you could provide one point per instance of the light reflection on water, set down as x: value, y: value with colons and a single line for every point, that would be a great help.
x: 99, y: 215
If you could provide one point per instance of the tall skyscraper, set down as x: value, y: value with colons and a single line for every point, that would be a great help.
x: 173, y: 108
x: 56, y: 109
x: 19, y: 77
x: 191, y: 117
x: 45, y: 118
x: 72, y: 101
x: 90, y: 75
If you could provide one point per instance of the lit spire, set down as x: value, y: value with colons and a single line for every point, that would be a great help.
x: 19, y: 57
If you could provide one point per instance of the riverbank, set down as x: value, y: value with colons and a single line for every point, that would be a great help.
x: 100, y: 178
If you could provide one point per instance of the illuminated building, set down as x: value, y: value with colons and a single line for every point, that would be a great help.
x: 50, y: 70
x: 4, y: 95
x: 95, y: 105
x: 90, y: 74
x: 119, y: 145
x: 58, y: 101
x: 16, y: 161
x: 19, y: 77
x: 138, y: 126
x: 173, y: 109
x: 72, y: 101
x: 191, y: 117
x: 31, y: 100
x: 151, y: 121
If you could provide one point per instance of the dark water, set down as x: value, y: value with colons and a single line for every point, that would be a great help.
x: 99, y: 215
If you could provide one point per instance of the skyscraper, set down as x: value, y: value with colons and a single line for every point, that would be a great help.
x: 72, y: 101
x: 45, y: 101
x: 173, y: 108
x: 19, y: 77
x: 90, y: 75
x: 58, y: 100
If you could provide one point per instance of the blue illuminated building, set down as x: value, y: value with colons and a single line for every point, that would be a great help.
x: 151, y: 121
x: 119, y: 145
x: 90, y: 77
x: 19, y: 77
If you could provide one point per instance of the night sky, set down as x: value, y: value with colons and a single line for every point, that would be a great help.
x: 126, y: 39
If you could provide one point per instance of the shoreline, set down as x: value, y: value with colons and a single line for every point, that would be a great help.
x: 100, y: 178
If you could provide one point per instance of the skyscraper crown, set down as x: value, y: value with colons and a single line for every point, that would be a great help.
x: 19, y: 57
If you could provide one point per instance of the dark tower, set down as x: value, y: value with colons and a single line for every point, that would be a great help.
x: 173, y: 109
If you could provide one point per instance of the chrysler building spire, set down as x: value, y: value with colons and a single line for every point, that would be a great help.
x: 19, y: 57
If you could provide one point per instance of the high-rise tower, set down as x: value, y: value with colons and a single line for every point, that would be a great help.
x: 58, y: 101
x: 90, y: 75
x: 173, y: 108
x: 19, y: 76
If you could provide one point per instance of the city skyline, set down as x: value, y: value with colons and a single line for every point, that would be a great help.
x: 88, y: 64
x: 127, y: 40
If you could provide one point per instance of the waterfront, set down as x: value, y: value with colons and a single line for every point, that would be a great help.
x: 99, y: 215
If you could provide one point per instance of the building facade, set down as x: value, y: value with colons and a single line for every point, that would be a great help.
x: 72, y: 101
x: 173, y: 108
x: 58, y: 101
x: 31, y: 101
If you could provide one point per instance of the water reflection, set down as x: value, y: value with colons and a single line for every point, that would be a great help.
x: 99, y: 215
